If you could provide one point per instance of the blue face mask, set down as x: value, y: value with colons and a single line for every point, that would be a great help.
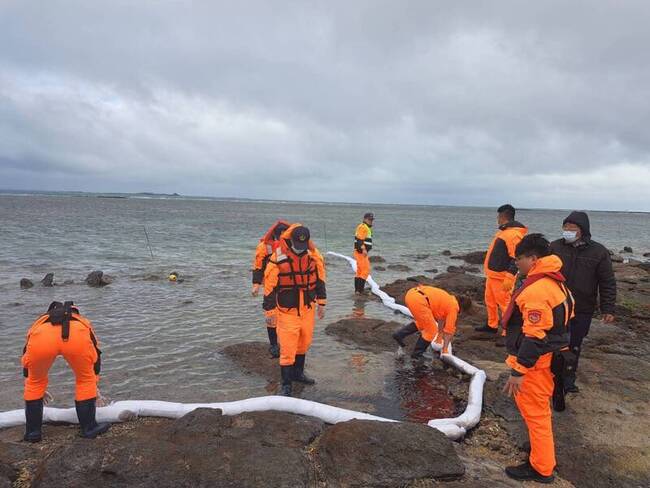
x: 569, y: 236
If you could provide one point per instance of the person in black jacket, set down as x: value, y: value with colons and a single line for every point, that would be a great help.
x: 587, y: 267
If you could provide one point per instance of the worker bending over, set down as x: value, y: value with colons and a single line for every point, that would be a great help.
x: 61, y: 331
x: 435, y: 313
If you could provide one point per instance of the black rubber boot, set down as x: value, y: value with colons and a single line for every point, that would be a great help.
x: 570, y: 376
x: 570, y: 384
x: 274, y: 349
x: 525, y: 472
x: 33, y: 420
x: 287, y: 377
x: 420, y: 348
x: 299, y: 371
x: 486, y: 328
x: 401, y: 334
x: 86, y: 414
x: 359, y: 285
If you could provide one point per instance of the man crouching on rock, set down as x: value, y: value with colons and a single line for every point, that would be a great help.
x: 536, y: 326
x: 294, y: 292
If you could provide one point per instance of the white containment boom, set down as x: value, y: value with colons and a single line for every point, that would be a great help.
x: 472, y: 414
x: 454, y: 428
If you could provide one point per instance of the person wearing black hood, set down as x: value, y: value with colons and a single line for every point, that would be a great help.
x: 587, y: 267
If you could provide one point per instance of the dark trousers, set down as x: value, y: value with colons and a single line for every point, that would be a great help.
x: 578, y: 330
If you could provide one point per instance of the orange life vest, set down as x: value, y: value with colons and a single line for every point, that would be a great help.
x: 297, y: 276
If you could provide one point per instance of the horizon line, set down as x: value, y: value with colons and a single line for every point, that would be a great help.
x: 175, y: 195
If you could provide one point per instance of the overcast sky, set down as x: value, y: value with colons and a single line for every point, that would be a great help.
x: 542, y: 104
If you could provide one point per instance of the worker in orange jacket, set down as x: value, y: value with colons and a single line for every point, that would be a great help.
x: 294, y: 293
x: 61, y: 331
x: 362, y: 246
x: 435, y: 313
x: 536, y: 328
x: 267, y: 245
x: 500, y: 268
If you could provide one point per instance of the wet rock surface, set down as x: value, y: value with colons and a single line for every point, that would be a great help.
x: 255, y: 358
x: 375, y: 258
x: 477, y: 257
x: 257, y: 449
x: 364, y: 453
x: 399, y: 267
x: 25, y: 284
x: 48, y: 280
x: 460, y: 283
x: 463, y: 269
x: 98, y: 279
x: 369, y: 334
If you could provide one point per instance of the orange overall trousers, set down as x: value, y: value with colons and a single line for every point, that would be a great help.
x: 44, y: 344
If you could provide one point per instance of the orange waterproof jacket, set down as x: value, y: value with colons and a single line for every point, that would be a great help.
x: 500, y: 258
x: 363, y: 237
x: 538, y: 315
x: 443, y: 305
x: 293, y: 282
x: 263, y: 251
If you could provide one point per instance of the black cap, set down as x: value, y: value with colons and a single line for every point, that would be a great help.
x: 300, y: 238
x: 369, y: 216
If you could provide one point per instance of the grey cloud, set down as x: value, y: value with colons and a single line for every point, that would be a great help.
x: 424, y: 102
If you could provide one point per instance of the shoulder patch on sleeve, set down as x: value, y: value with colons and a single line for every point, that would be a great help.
x: 534, y: 316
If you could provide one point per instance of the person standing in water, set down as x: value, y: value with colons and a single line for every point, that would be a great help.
x: 268, y: 243
x: 362, y: 246
x: 294, y: 294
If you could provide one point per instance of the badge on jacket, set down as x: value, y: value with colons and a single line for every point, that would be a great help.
x: 534, y: 316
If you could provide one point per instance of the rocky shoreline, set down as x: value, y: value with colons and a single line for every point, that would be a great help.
x: 601, y: 439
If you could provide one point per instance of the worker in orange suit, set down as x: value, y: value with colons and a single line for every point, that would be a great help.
x: 294, y: 294
x: 435, y: 313
x: 61, y: 331
x: 499, y: 267
x: 362, y: 246
x: 268, y: 243
x: 536, y: 323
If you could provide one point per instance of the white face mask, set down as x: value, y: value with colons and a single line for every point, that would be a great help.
x: 570, y: 236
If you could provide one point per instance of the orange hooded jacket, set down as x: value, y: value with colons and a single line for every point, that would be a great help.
x: 263, y: 251
x: 500, y: 258
x: 538, y: 315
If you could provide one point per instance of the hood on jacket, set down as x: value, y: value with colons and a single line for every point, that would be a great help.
x: 548, y: 265
x: 581, y: 219
x: 280, y: 225
x: 513, y: 224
